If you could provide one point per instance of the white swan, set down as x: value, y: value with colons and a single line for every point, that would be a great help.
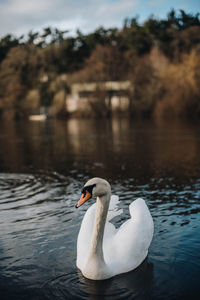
x: 102, y: 250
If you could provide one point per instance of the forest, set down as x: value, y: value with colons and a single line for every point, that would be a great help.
x: 160, y: 57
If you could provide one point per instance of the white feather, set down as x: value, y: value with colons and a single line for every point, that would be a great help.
x: 125, y: 248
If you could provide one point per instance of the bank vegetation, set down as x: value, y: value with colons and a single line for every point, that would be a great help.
x: 161, y: 58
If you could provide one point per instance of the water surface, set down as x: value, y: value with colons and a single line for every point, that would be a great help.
x: 43, y: 167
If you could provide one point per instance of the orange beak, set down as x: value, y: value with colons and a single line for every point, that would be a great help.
x: 84, y: 198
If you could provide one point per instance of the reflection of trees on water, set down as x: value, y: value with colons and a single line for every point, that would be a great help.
x: 109, y: 148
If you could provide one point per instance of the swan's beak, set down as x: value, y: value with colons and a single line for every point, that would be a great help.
x: 84, y: 197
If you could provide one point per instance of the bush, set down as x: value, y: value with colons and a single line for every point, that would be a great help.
x: 181, y: 83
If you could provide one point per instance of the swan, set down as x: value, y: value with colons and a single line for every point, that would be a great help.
x: 102, y: 250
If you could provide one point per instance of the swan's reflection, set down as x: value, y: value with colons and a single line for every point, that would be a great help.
x: 123, y: 286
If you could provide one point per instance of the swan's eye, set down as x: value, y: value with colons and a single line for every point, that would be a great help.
x: 88, y: 188
x: 83, y: 192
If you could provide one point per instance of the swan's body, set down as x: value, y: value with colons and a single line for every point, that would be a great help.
x: 104, y: 251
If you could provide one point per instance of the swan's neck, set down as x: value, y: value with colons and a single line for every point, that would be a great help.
x: 96, y: 267
x: 96, y: 251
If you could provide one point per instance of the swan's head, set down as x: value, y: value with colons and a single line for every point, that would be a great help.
x: 95, y: 187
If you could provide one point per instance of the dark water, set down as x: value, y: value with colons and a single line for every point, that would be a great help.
x: 43, y: 167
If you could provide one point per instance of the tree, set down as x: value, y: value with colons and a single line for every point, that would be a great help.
x: 106, y: 63
x: 6, y: 43
x: 18, y: 73
x: 134, y: 36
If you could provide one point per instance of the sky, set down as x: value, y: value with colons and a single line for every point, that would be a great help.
x: 18, y: 17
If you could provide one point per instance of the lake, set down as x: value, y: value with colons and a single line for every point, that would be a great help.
x: 43, y: 167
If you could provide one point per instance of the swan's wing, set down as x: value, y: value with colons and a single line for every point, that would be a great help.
x: 139, y: 228
x: 130, y: 243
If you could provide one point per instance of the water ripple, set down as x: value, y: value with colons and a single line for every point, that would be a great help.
x: 39, y: 227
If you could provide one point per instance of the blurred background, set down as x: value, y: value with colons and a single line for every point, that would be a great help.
x: 105, y: 88
x: 144, y: 61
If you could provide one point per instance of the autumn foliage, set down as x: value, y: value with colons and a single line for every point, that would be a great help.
x: 161, y: 59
